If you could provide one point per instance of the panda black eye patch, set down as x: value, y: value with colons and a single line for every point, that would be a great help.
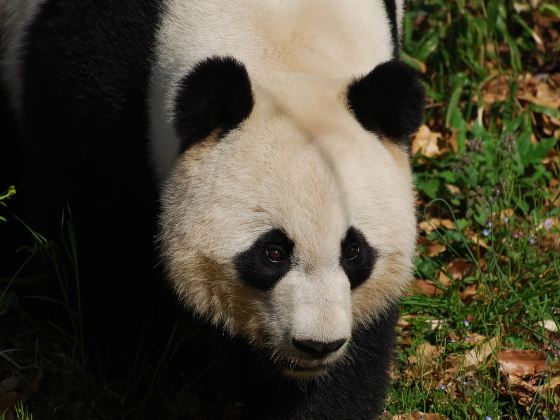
x: 357, y: 257
x: 265, y: 262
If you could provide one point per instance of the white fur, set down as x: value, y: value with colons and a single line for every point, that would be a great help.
x: 15, y: 17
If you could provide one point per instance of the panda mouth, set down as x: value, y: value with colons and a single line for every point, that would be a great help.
x: 303, y: 372
x: 300, y: 372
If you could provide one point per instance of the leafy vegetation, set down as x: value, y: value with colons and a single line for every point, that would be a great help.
x: 480, y: 330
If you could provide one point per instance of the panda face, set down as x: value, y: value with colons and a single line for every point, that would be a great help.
x: 293, y: 228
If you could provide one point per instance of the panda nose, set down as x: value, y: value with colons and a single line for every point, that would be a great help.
x: 318, y: 349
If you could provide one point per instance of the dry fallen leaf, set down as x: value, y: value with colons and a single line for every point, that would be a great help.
x: 477, y: 240
x: 447, y: 224
x: 524, y: 390
x: 550, y: 325
x: 521, y: 362
x: 443, y: 279
x: 424, y: 360
x: 434, y: 323
x: 405, y: 341
x: 475, y: 357
x: 403, y: 329
x: 521, y: 390
x: 506, y: 214
x: 428, y: 226
x: 468, y: 292
x: 426, y: 142
x: 403, y: 323
x: 435, y: 249
x: 426, y: 288
x: 480, y: 353
x: 496, y: 90
x: 474, y: 338
x: 550, y: 125
x: 453, y: 189
x: 553, y: 385
x: 459, y: 269
x: 545, y: 95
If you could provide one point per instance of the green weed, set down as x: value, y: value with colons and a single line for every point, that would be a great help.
x: 20, y: 412
x: 488, y: 257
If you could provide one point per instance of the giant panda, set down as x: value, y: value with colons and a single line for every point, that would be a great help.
x: 252, y: 155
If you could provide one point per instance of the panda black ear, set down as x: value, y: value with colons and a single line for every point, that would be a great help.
x: 389, y: 100
x: 215, y: 94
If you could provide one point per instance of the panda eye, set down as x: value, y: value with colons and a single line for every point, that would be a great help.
x: 352, y: 252
x: 275, y: 253
x: 357, y: 257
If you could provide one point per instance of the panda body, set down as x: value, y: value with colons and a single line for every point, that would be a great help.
x: 273, y: 134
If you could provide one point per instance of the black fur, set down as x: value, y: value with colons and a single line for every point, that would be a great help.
x: 391, y: 9
x: 255, y: 269
x: 85, y: 70
x: 389, y: 101
x: 359, y: 269
x: 216, y: 94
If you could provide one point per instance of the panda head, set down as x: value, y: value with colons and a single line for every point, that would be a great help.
x: 289, y: 218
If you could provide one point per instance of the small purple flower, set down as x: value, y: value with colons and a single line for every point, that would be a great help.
x: 548, y: 223
x: 509, y: 143
x: 532, y: 240
x: 466, y: 322
x: 486, y: 232
x: 442, y: 387
x: 474, y: 145
x: 487, y: 418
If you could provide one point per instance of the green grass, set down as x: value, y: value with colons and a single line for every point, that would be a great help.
x: 492, y: 183
x: 21, y: 413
